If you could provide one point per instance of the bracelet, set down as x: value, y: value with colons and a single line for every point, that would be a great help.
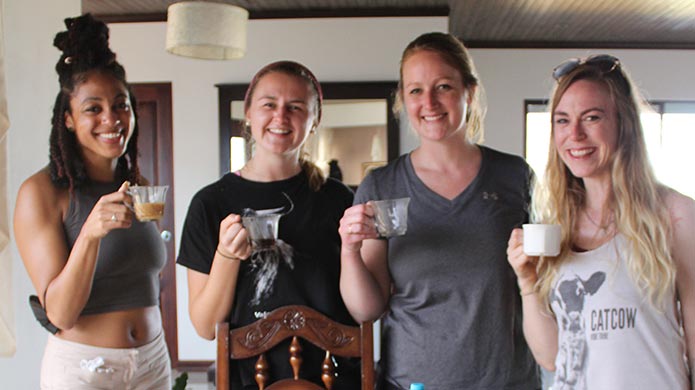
x: 227, y: 256
x: 523, y: 294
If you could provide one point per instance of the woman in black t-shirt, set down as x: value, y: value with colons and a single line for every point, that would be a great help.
x: 282, y: 109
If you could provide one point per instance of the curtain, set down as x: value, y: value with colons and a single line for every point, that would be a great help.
x: 7, y: 335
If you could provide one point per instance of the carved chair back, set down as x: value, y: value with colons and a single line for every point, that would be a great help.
x: 295, y: 322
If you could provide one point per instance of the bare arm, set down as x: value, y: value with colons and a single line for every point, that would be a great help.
x: 682, y: 211
x: 210, y: 297
x: 62, y: 280
x: 365, y: 283
x: 540, y: 328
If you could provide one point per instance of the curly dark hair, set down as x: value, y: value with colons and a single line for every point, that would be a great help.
x: 85, y: 47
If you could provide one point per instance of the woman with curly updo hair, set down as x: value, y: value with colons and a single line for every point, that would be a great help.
x: 94, y: 266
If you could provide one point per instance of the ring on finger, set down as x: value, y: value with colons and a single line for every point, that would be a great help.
x: 350, y: 228
x: 114, y: 218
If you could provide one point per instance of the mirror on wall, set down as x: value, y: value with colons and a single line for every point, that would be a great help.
x: 358, y: 130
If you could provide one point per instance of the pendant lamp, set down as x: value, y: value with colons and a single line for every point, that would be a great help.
x: 206, y: 30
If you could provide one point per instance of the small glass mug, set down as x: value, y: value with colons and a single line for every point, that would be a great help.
x: 148, y: 202
x: 262, y: 229
x: 391, y: 216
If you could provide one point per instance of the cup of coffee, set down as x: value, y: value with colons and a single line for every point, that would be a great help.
x: 148, y: 202
x: 541, y: 239
x: 262, y: 229
x: 391, y: 216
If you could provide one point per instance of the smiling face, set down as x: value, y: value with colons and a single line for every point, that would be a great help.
x: 434, y: 96
x: 585, y: 129
x: 281, y: 113
x: 101, y: 117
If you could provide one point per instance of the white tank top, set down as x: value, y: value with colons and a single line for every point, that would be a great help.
x: 610, y: 336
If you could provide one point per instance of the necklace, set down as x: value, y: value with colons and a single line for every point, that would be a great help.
x: 598, y: 225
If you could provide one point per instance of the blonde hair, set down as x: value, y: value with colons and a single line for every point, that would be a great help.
x: 454, y: 53
x: 637, y: 199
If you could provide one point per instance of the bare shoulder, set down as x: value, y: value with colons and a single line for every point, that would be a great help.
x: 38, y: 194
x: 682, y: 213
x: 681, y: 210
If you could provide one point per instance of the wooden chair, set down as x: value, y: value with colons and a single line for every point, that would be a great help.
x: 296, y: 322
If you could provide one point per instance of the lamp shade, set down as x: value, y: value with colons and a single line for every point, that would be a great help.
x: 206, y: 30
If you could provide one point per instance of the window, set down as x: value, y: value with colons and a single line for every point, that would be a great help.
x: 669, y: 132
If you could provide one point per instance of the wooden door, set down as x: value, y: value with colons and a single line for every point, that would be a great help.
x: 155, y: 147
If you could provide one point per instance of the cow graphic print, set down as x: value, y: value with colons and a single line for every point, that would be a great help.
x: 568, y: 300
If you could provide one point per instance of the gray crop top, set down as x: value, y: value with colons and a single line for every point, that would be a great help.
x: 129, y: 260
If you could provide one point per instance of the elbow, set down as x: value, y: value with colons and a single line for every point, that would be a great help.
x: 61, y: 321
x: 203, y: 331
x: 205, y: 334
x: 548, y: 366
x: 361, y: 316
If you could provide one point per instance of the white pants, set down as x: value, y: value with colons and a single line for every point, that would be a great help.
x: 73, y: 366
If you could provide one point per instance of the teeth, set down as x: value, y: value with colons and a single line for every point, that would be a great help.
x: 580, y: 152
x: 433, y: 117
x: 278, y: 131
x: 110, y: 135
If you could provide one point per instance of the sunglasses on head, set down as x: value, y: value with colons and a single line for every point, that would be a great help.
x: 605, y: 62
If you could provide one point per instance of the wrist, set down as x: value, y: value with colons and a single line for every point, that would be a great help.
x: 527, y: 287
x: 528, y: 291
x: 227, y: 256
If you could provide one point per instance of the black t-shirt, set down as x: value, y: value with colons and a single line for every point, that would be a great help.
x: 311, y: 228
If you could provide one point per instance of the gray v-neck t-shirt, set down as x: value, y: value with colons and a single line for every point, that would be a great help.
x: 454, y: 317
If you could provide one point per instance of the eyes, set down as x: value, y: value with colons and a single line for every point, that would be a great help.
x: 442, y: 87
x: 97, y: 107
x: 292, y: 107
x: 563, y: 119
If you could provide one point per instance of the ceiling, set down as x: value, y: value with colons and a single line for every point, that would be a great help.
x: 653, y: 24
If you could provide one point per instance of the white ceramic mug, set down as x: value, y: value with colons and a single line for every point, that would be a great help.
x: 541, y: 239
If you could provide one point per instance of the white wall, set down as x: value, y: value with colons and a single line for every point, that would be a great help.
x: 335, y: 49
x: 32, y: 84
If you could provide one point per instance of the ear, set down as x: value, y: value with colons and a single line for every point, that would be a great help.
x: 594, y: 282
x: 470, y: 92
x: 69, y: 123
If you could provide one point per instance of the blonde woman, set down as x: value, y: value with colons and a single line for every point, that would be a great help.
x: 451, y: 312
x: 623, y: 285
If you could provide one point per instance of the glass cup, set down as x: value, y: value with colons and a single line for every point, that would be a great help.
x: 262, y: 229
x: 541, y: 239
x: 148, y: 202
x: 391, y: 216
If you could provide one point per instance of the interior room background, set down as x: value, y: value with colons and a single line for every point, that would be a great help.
x: 349, y: 49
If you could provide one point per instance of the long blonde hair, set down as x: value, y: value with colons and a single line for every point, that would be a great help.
x: 637, y: 199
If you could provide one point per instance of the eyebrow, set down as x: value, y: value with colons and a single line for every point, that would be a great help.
x: 583, y: 112
x: 98, y: 99
x: 437, y: 80
x: 275, y: 98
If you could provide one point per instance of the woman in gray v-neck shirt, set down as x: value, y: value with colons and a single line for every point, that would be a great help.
x: 450, y: 306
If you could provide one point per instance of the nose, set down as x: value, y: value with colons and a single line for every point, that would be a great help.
x: 109, y: 117
x: 281, y: 113
x: 430, y: 99
x: 577, y: 131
